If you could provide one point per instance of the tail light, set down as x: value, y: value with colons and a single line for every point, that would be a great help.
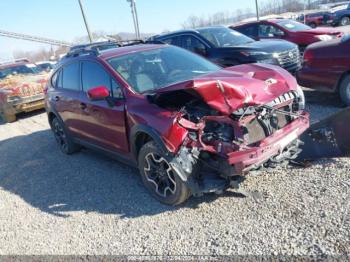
x: 308, y: 56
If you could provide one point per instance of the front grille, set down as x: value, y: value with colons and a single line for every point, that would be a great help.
x: 262, y: 127
x: 290, y: 60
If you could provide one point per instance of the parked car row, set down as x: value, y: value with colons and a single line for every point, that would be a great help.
x: 289, y: 30
x: 338, y: 17
x: 227, y: 47
x: 201, y: 108
x: 324, y: 66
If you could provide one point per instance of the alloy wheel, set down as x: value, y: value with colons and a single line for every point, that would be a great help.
x: 60, y: 136
x: 159, y: 173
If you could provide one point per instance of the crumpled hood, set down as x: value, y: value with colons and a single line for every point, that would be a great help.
x: 232, y: 88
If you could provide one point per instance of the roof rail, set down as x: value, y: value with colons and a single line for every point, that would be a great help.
x: 97, y: 47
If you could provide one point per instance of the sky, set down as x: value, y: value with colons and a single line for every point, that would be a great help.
x: 62, y: 20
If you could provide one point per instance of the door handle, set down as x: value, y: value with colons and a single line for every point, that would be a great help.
x: 82, y: 106
x: 56, y: 98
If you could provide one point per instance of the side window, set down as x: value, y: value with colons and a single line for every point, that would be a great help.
x: 250, y: 31
x: 269, y: 31
x: 54, y: 79
x: 192, y: 43
x: 94, y: 75
x: 116, y: 90
x: 172, y: 41
x: 71, y: 77
x: 60, y: 80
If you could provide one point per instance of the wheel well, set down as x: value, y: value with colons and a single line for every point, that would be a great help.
x: 141, y: 139
x: 345, y: 74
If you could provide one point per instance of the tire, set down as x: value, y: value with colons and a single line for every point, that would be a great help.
x: 9, y: 118
x: 344, y: 90
x: 63, y: 139
x: 344, y: 21
x: 159, y: 178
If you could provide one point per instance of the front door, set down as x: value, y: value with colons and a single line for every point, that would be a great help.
x: 103, y: 122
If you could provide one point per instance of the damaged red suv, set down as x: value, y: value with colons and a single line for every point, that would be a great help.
x: 190, y: 126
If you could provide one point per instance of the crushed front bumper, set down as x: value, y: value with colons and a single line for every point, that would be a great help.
x: 251, y: 158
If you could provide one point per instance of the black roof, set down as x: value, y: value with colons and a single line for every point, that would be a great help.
x: 194, y: 30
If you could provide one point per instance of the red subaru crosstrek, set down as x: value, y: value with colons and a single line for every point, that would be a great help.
x: 293, y: 31
x: 190, y: 126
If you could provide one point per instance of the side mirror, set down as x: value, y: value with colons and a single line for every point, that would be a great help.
x: 98, y: 93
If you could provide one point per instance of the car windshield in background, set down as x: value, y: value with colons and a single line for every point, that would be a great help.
x: 224, y: 37
x: 45, y: 66
x: 20, y: 70
x: 151, y: 70
x: 293, y: 26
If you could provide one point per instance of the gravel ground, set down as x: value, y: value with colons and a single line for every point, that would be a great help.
x: 88, y: 204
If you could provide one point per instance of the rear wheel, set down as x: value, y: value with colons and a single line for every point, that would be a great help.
x: 345, y: 21
x: 63, y: 139
x: 344, y: 90
x: 159, y: 177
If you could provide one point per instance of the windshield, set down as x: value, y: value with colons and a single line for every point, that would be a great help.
x: 154, y: 69
x: 293, y: 25
x: 44, y: 66
x: 22, y: 70
x: 224, y: 37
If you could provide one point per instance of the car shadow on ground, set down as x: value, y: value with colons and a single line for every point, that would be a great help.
x: 33, y: 168
x: 323, y: 99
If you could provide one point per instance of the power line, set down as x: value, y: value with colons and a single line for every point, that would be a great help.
x: 34, y: 38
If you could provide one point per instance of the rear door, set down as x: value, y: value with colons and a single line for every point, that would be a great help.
x: 103, y: 121
x: 66, y: 97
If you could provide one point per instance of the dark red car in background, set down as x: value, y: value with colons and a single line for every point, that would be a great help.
x: 190, y: 126
x: 289, y: 30
x: 326, y: 67
x: 315, y: 19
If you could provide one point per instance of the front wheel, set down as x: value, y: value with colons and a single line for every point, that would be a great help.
x: 159, y: 177
x: 344, y: 90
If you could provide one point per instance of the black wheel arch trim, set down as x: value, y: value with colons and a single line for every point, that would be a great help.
x: 141, y: 128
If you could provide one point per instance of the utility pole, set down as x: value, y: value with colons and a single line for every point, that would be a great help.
x: 85, y: 21
x: 257, y: 10
x: 135, y: 18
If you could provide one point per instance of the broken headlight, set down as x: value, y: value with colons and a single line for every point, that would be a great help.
x: 215, y: 131
x: 300, y: 103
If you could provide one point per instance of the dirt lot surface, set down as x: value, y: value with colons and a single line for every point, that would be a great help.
x: 88, y: 204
